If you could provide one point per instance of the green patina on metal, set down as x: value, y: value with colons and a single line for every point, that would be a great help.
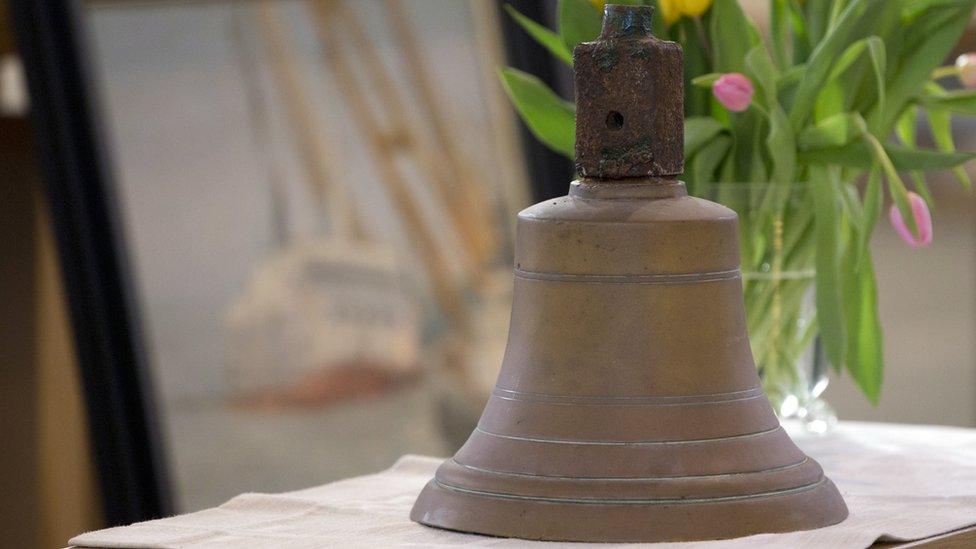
x: 606, y: 58
x: 627, y: 23
x: 640, y: 52
x: 641, y: 147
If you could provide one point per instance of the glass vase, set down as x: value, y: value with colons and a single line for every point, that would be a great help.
x: 778, y: 274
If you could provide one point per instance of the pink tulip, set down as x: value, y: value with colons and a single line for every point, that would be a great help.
x: 923, y: 220
x: 966, y: 63
x: 734, y: 91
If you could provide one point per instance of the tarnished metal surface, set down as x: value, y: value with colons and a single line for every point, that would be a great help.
x: 629, y: 115
x: 628, y: 406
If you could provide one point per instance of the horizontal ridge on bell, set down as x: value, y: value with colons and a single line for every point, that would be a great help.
x: 737, y: 454
x: 804, y: 472
x: 577, y: 235
x: 639, y: 422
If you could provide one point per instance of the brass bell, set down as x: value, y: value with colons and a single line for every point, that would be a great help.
x: 628, y: 408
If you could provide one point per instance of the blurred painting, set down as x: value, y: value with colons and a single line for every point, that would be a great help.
x: 320, y: 232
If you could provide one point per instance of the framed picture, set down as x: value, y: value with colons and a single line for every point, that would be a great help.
x: 285, y: 230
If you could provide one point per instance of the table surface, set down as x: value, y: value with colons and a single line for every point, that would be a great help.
x: 952, y: 540
x: 962, y: 538
x: 965, y: 538
x: 901, y: 482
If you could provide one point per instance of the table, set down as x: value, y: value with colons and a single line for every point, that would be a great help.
x: 960, y: 539
x: 906, y: 486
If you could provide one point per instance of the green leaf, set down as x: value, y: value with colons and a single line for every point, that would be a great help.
x: 732, y: 35
x: 548, y: 39
x: 781, y: 141
x: 818, y: 15
x: 706, y: 161
x: 960, y: 101
x: 824, y: 189
x: 914, y: 8
x: 779, y: 30
x: 695, y: 61
x: 940, y: 122
x: 748, y: 130
x: 879, y: 62
x: 801, y: 37
x: 873, y: 199
x: 578, y: 21
x: 835, y: 11
x: 699, y: 130
x: 859, y: 155
x: 924, y: 160
x: 889, y: 25
x: 791, y: 76
x: 550, y: 118
x: 865, y: 359
x: 831, y: 100
x: 928, y: 41
x: 835, y: 131
x: 837, y: 93
x: 706, y: 80
x: 847, y: 58
x: 896, y: 187
x: 922, y: 188
x: 821, y: 60
x: 853, y: 210
x: 905, y: 127
x: 891, y: 158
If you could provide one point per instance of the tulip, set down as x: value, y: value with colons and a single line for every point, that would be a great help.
x: 734, y: 91
x: 966, y: 63
x: 694, y: 8
x: 923, y: 221
x: 670, y: 11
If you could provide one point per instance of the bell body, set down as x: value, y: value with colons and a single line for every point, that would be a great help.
x: 628, y: 407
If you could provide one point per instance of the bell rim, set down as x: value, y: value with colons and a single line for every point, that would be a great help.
x: 652, y: 490
x: 634, y: 522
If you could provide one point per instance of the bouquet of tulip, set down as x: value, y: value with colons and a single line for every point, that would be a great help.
x: 803, y: 132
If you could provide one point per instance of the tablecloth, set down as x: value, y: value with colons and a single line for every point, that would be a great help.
x: 900, y: 482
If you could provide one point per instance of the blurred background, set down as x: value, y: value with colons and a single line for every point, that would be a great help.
x: 275, y: 250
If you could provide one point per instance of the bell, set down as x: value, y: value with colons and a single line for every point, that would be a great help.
x: 628, y: 407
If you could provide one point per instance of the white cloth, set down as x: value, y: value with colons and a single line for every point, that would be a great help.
x: 900, y: 482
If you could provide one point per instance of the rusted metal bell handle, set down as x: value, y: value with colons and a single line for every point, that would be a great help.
x: 627, y: 22
x: 629, y: 100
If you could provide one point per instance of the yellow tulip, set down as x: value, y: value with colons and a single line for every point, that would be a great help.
x: 693, y: 8
x: 670, y: 11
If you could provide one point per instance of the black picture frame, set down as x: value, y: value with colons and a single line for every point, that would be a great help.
x: 132, y: 473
